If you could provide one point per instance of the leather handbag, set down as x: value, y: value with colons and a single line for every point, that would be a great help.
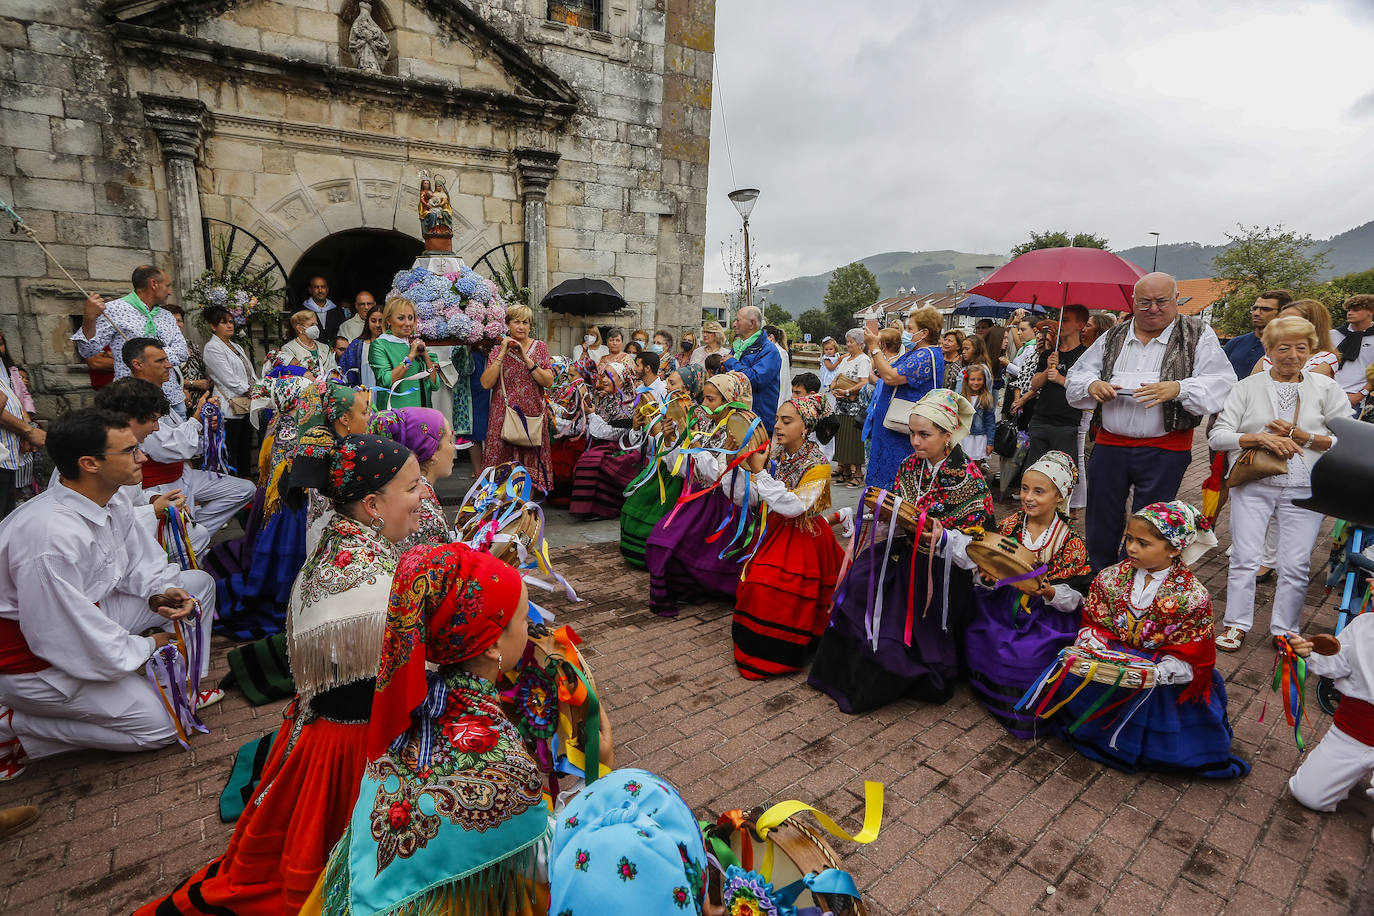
x: 1255, y: 463
x: 1004, y: 439
x: 899, y: 409
x: 518, y: 429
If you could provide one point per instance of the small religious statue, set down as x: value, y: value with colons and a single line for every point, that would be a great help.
x: 367, y: 41
x: 436, y: 215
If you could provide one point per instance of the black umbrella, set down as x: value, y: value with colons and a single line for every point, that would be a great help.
x: 584, y: 296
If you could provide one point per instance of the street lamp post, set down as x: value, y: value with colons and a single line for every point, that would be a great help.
x: 1154, y: 265
x: 743, y: 199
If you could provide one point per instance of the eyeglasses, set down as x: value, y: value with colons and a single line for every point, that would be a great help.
x: 1262, y: 308
x: 1155, y: 304
x: 132, y: 451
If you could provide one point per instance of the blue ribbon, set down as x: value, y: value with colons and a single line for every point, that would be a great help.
x: 830, y: 881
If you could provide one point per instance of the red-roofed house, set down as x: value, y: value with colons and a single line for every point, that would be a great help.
x: 1196, y: 297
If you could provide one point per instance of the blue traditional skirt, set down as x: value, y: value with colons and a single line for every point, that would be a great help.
x: 859, y: 677
x: 253, y: 603
x: 1008, y: 647
x: 1155, y: 732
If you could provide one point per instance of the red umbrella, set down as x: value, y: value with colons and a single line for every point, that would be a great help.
x: 1056, y: 277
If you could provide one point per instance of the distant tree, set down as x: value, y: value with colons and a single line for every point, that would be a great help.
x: 1059, y: 239
x: 776, y: 314
x: 817, y: 323
x: 793, y: 332
x: 1258, y: 258
x: 1353, y: 284
x: 732, y: 258
x: 852, y: 287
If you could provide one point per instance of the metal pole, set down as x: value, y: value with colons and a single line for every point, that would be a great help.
x: 1154, y: 265
x: 748, y: 277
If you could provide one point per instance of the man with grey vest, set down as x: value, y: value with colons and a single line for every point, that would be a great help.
x: 1155, y: 376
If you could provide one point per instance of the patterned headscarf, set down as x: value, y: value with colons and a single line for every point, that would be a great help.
x: 691, y: 378
x: 357, y: 465
x: 734, y: 387
x: 811, y: 407
x: 947, y: 410
x: 617, y: 404
x: 1183, y: 526
x: 420, y: 429
x: 448, y: 604
x: 1062, y: 472
x: 632, y: 826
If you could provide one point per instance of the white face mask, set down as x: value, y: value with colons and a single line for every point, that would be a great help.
x: 313, y: 332
x: 589, y: 340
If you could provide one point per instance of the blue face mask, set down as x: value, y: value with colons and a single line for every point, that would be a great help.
x: 656, y: 348
x: 907, y: 340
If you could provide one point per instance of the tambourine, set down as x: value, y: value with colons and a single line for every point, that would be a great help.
x: 737, y: 428
x: 907, y: 516
x: 999, y: 558
x: 517, y: 526
x: 1108, y: 666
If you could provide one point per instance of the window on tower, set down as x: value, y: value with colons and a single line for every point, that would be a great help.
x: 585, y: 14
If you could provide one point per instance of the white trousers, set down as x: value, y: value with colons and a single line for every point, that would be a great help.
x: 55, y: 712
x: 1334, y: 767
x: 212, y: 500
x: 1252, y: 506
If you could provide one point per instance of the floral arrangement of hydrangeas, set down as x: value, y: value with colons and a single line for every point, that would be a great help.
x: 250, y: 300
x: 461, y: 305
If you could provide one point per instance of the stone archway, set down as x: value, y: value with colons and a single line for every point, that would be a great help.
x: 353, y: 260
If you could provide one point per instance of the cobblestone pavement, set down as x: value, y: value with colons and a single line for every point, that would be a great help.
x: 975, y: 821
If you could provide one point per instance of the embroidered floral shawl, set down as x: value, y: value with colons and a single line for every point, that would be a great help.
x: 805, y: 472
x: 1179, y: 622
x: 959, y: 496
x: 337, y: 614
x: 1066, y: 562
x: 434, y: 529
x: 456, y: 834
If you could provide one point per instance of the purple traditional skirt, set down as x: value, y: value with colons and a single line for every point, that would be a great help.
x: 860, y: 678
x: 682, y: 566
x: 1008, y: 648
x: 600, y: 478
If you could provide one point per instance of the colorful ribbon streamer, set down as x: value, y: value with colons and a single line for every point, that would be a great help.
x: 1290, y: 683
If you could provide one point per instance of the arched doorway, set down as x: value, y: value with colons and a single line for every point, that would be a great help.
x: 353, y: 260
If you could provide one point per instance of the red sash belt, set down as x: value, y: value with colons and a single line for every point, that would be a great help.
x: 1356, y: 719
x: 15, y: 655
x: 155, y: 473
x: 1177, y: 441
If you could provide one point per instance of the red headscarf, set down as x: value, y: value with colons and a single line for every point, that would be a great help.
x: 448, y: 604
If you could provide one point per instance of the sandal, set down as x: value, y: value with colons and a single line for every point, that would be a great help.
x: 1231, y: 639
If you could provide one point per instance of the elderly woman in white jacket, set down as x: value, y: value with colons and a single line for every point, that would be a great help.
x: 1284, y: 411
x: 232, y: 373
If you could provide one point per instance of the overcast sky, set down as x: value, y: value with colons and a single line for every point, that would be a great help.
x: 884, y: 125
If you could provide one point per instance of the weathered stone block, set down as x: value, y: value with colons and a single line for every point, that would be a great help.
x: 588, y: 263
x: 267, y: 16
x: 236, y: 184
x: 37, y: 164
x: 34, y: 99
x: 584, y: 217
x: 231, y: 34
x: 262, y: 102
x: 566, y: 192
x: 114, y: 231
x: 42, y: 70
x: 54, y: 39
x: 90, y: 110
x: 12, y: 34
x: 496, y: 211
x: 635, y: 265
x: 79, y: 138
x: 641, y: 289
x: 49, y: 194
x: 503, y: 186
x: 605, y: 197
x: 22, y: 258
x: 106, y: 263
x: 24, y: 130
x: 295, y: 47
x: 641, y: 244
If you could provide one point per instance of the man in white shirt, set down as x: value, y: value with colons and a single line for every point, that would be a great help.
x: 1355, y: 344
x: 139, y: 314
x: 1156, y: 376
x: 329, y: 315
x: 363, y: 304
x: 212, y: 498
x: 646, y: 367
x: 79, y: 580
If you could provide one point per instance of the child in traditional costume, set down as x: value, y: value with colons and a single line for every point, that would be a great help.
x: 1150, y: 606
x: 656, y: 489
x: 683, y: 565
x: 335, y: 635
x: 1015, y: 634
x: 568, y: 406
x: 450, y: 814
x: 612, y: 458
x: 783, y: 602
x: 1345, y: 756
x: 898, y: 619
x: 429, y: 436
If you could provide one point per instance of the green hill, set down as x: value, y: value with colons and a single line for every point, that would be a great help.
x: 930, y: 271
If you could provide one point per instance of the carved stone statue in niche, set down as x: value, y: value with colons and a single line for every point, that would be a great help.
x: 436, y: 215
x: 367, y: 41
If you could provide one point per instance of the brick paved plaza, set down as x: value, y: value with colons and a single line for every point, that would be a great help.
x: 975, y: 821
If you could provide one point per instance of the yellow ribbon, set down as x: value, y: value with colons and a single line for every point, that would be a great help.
x: 774, y: 816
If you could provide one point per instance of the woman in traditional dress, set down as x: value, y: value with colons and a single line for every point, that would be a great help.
x: 851, y: 407
x: 899, y: 618
x: 400, y: 360
x: 907, y: 376
x: 450, y: 815
x: 783, y: 602
x: 655, y: 491
x: 518, y: 371
x: 612, y: 458
x: 683, y: 565
x: 568, y: 408
x: 428, y: 435
x: 1151, y: 606
x: 1014, y: 635
x: 335, y: 636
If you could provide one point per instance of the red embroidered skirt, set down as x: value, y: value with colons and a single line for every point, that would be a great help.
x: 783, y: 602
x: 280, y: 846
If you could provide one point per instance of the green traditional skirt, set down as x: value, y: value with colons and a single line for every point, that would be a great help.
x: 641, y: 512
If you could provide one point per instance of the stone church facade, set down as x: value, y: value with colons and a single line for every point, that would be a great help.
x: 147, y: 130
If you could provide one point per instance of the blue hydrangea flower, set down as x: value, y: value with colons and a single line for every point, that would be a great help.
x: 480, y: 294
x: 465, y: 287
x: 217, y: 295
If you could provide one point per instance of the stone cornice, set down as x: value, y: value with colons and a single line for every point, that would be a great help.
x: 163, y: 16
x: 313, y: 137
x: 158, y: 48
x: 179, y: 124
